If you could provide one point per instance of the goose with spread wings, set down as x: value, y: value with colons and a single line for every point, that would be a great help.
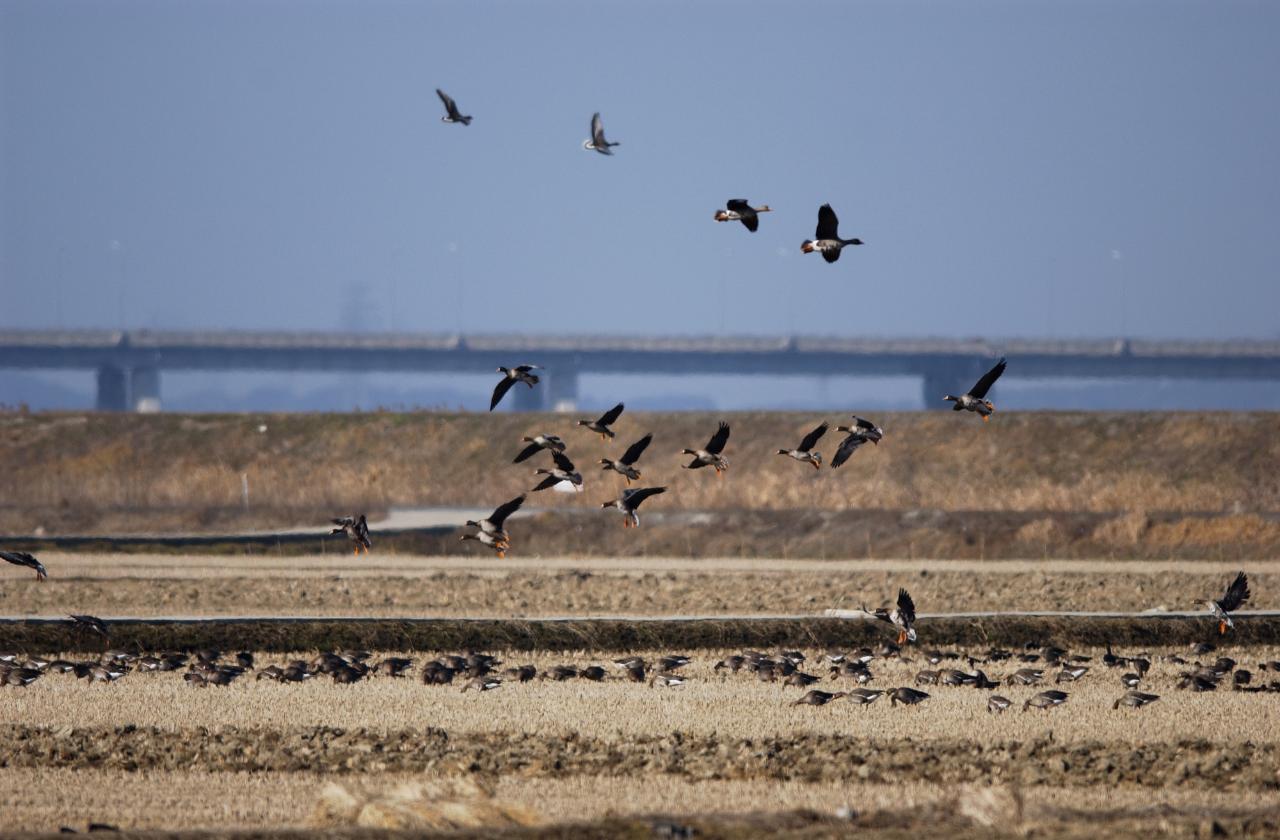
x: 625, y: 466
x: 510, y: 376
x: 1237, y: 593
x: 630, y: 500
x: 826, y: 239
x: 22, y: 558
x: 710, y: 456
x: 804, y: 452
x: 975, y: 399
x: 452, y: 115
x: 356, y: 529
x: 601, y: 425
x: 596, y: 141
x: 740, y: 210
x: 493, y: 524
x: 537, y: 443
x: 902, y: 616
x: 564, y: 471
x: 862, y: 431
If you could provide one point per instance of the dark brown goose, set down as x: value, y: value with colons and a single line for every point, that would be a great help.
x: 494, y: 524
x: 91, y: 623
x: 903, y: 616
x: 804, y: 452
x: 22, y: 558
x: 564, y: 471
x: 510, y: 376
x: 975, y: 400
x: 1046, y: 700
x: 740, y: 210
x: 356, y: 529
x: 815, y: 697
x: 1135, y: 700
x: 710, y: 456
x: 536, y: 444
x: 826, y: 239
x: 862, y: 431
x: 625, y: 466
x: 452, y: 114
x: 630, y: 500
x: 596, y: 141
x: 601, y: 425
x: 1237, y: 593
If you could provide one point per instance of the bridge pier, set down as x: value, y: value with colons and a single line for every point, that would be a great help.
x: 113, y: 389
x: 144, y: 389
x: 524, y: 398
x: 562, y: 390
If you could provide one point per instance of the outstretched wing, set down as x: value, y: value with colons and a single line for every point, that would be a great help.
x: 988, y: 379
x: 597, y: 129
x: 831, y: 255
x: 526, y: 453
x: 635, y: 497
x: 449, y: 104
x: 716, y: 445
x: 546, y: 483
x: 500, y: 391
x: 1237, y: 593
x: 746, y: 213
x: 500, y: 514
x: 563, y: 462
x: 737, y: 205
x: 610, y: 416
x: 847, y: 448
x: 906, y: 607
x: 344, y: 522
x: 811, y: 439
x: 869, y: 430
x: 636, y: 449
x: 828, y: 224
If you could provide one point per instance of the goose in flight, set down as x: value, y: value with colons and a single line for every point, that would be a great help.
x: 564, y: 471
x: 538, y: 443
x: 826, y: 239
x: 451, y: 107
x: 862, y: 431
x: 356, y: 529
x: 510, y: 376
x: 498, y: 544
x: 630, y: 500
x: 22, y: 558
x: 601, y: 425
x: 804, y: 452
x: 1237, y: 593
x: 903, y: 616
x: 740, y: 210
x: 975, y: 400
x: 493, y: 525
x: 596, y: 141
x: 710, y: 456
x: 91, y: 623
x: 626, y: 464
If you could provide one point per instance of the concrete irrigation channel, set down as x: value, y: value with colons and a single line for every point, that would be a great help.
x: 624, y: 634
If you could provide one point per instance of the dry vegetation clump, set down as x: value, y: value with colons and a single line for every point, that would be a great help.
x: 79, y: 472
x: 434, y: 804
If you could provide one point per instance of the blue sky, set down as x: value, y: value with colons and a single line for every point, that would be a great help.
x: 1015, y: 168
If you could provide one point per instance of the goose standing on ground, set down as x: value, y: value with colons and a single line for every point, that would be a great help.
x: 356, y: 529
x: 1046, y: 700
x: 1237, y: 593
x: 22, y: 558
x: 536, y: 444
x: 601, y: 425
x: 493, y: 525
x: 510, y: 376
x: 630, y: 500
x: 803, y: 453
x: 710, y: 456
x: 451, y: 107
x: 826, y: 239
x: 862, y: 431
x: 975, y: 400
x: 625, y: 465
x: 564, y: 471
x: 596, y: 141
x: 740, y: 210
x: 903, y: 616
x: 498, y: 544
x: 1135, y: 700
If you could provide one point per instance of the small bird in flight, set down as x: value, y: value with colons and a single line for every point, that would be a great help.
x: 826, y: 238
x: 740, y: 210
x: 510, y: 376
x: 974, y: 399
x: 596, y: 141
x: 451, y: 107
x: 601, y: 425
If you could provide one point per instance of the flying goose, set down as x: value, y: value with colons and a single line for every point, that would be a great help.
x: 862, y: 431
x: 91, y: 623
x: 356, y: 529
x: 22, y: 558
x: 498, y: 544
x: 974, y: 399
x: 536, y: 444
x: 803, y: 453
x: 739, y: 209
x: 601, y: 425
x: 493, y: 524
x: 453, y: 116
x: 1237, y: 593
x: 564, y: 471
x: 596, y: 141
x: 625, y: 465
x: 510, y: 376
x: 825, y: 238
x: 630, y: 500
x: 710, y: 457
x: 903, y: 616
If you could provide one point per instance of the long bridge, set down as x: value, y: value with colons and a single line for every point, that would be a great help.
x: 128, y: 363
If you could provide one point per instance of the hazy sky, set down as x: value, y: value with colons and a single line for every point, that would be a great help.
x: 1015, y: 168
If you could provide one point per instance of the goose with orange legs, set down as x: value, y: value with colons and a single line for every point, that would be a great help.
x: 975, y: 400
x: 629, y: 501
x: 711, y: 456
x: 804, y: 452
x: 625, y: 466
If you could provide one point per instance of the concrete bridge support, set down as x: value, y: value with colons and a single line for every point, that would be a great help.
x: 113, y: 389
x: 144, y: 390
x: 562, y: 393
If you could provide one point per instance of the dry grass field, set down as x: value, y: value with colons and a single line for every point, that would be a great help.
x: 151, y: 752
x: 379, y: 585
x: 102, y: 473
